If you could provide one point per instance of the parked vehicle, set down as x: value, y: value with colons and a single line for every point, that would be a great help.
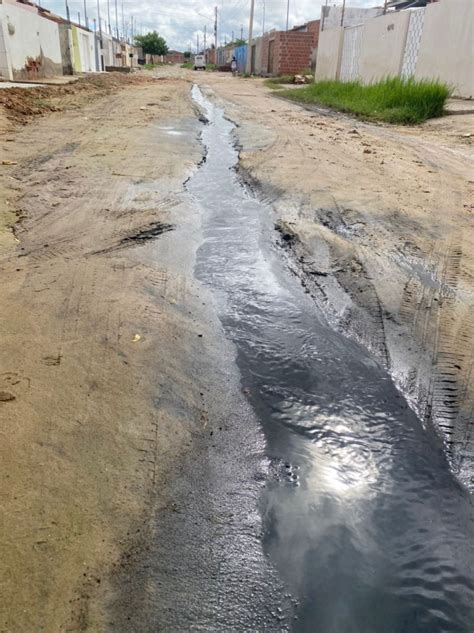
x: 199, y: 62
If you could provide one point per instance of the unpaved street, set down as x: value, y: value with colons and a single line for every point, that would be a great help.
x: 199, y: 428
x: 383, y: 217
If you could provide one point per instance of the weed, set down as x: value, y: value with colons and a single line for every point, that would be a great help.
x: 392, y: 100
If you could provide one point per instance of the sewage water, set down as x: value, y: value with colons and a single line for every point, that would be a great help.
x: 362, y: 518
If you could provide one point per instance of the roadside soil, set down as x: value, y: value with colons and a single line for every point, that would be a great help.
x: 378, y: 223
x: 90, y: 323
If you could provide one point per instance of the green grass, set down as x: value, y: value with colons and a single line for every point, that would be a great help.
x: 394, y: 100
x: 152, y: 66
x: 187, y: 65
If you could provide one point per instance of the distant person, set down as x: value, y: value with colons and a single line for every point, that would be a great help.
x: 233, y: 66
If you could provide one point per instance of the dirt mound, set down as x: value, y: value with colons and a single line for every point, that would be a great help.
x: 21, y: 104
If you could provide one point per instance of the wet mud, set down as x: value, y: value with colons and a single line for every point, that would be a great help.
x: 362, y: 517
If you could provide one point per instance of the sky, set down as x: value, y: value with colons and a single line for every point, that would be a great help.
x: 180, y: 23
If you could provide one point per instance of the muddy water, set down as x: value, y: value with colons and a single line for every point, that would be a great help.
x: 362, y: 518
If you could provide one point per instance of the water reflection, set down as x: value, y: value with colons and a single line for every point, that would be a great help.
x: 361, y: 515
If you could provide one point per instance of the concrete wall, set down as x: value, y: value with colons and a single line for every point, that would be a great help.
x: 352, y: 16
x: 32, y: 43
x: 447, y: 46
x: 108, y: 50
x: 257, y: 47
x: 383, y: 46
x: 66, y: 51
x: 329, y: 53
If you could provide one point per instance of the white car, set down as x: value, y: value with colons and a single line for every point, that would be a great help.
x: 199, y: 62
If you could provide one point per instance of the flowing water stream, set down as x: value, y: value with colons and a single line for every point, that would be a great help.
x: 361, y: 516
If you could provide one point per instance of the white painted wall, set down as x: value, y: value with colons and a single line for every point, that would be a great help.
x: 26, y: 35
x: 329, y: 53
x: 447, y: 45
x: 383, y: 46
x: 108, y: 50
x: 352, y: 15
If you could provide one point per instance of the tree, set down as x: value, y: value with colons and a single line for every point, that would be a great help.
x: 152, y: 43
x: 240, y: 42
x: 187, y: 54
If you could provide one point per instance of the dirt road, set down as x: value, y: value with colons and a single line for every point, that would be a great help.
x: 126, y: 432
x: 384, y: 228
x: 86, y: 322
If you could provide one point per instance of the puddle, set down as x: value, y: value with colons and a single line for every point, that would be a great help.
x: 362, y: 518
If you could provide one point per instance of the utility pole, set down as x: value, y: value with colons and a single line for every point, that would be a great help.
x: 241, y: 31
x: 324, y: 11
x: 263, y: 19
x: 96, y: 46
x: 197, y: 44
x: 343, y: 11
x: 249, y: 48
x: 79, y: 17
x: 67, y: 12
x: 101, y: 60
x: 205, y: 38
x: 287, y: 13
x: 86, y: 21
x: 123, y: 23
x: 116, y: 20
x: 215, y: 28
x: 108, y: 17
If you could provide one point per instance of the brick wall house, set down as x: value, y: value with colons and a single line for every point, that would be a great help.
x: 285, y: 52
x: 174, y: 57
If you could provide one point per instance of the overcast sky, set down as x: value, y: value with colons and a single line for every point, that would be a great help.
x: 181, y: 21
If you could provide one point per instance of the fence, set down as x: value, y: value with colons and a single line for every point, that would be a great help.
x: 434, y: 42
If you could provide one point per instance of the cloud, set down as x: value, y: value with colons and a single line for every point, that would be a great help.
x: 181, y: 23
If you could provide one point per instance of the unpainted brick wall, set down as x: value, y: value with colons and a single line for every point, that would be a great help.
x: 293, y: 53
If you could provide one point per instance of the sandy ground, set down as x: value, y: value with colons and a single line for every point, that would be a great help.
x: 87, y: 319
x: 108, y: 350
x: 380, y: 221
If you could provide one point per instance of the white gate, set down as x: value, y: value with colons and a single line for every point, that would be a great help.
x: 351, y: 53
x: 412, y: 46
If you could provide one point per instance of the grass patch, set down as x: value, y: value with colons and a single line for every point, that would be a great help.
x: 395, y: 100
x: 187, y: 65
